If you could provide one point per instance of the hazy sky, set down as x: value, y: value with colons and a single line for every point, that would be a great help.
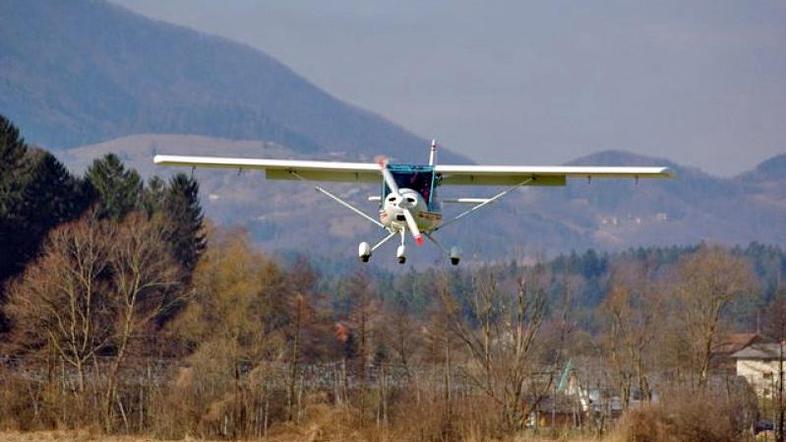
x: 699, y: 82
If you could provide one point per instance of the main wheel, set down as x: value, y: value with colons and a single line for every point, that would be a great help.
x: 364, y: 251
x: 455, y: 255
x: 402, y: 259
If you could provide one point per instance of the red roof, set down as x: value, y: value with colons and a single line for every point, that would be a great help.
x: 734, y: 342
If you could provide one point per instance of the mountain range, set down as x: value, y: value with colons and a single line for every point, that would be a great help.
x: 85, y: 71
x: 84, y: 78
x: 602, y: 214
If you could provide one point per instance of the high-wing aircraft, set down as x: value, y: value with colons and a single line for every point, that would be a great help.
x: 408, y: 200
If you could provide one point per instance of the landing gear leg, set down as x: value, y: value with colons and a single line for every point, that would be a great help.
x: 365, y: 250
x: 454, y: 254
x: 402, y: 250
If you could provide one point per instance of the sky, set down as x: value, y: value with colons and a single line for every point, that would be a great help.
x: 699, y: 82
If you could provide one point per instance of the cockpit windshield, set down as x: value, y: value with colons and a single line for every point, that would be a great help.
x: 417, y: 178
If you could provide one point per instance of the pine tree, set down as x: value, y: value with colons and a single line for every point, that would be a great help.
x: 51, y: 197
x: 12, y: 147
x: 153, y: 196
x: 13, y: 170
x: 48, y: 196
x: 12, y: 167
x: 184, y: 212
x: 119, y: 190
x: 38, y: 193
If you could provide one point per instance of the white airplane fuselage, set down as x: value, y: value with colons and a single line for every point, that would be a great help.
x: 391, y: 214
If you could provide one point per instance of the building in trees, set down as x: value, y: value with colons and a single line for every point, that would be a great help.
x: 759, y: 364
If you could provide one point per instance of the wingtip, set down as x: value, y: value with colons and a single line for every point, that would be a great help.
x: 419, y: 240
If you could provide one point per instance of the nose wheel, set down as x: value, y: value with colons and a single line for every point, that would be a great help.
x: 455, y: 255
x: 401, y: 254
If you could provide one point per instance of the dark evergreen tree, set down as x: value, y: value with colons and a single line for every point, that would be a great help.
x: 51, y: 197
x: 118, y: 190
x: 12, y: 149
x: 154, y: 195
x: 184, y: 212
x: 36, y: 194
x: 13, y: 174
x: 12, y: 171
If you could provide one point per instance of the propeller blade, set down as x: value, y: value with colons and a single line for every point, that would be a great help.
x: 383, y: 167
x: 413, y: 227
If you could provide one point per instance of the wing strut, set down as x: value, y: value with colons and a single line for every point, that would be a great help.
x: 384, y: 240
x: 340, y: 201
x: 485, y: 203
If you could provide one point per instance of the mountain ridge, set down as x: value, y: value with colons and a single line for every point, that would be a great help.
x: 76, y: 73
x: 91, y: 78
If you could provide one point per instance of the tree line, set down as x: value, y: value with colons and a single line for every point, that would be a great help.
x: 38, y: 194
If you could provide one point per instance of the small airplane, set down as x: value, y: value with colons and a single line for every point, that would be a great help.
x: 408, y: 199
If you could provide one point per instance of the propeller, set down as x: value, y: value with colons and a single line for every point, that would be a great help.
x: 391, y: 182
x: 413, y: 227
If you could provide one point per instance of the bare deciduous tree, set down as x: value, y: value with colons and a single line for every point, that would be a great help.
x: 631, y: 312
x: 142, y: 268
x: 61, y: 300
x: 96, y: 285
x: 709, y: 281
x: 501, y: 342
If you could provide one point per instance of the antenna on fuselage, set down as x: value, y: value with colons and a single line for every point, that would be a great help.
x: 433, y: 155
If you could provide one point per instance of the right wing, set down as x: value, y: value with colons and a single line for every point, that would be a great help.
x: 283, y: 169
x: 483, y: 175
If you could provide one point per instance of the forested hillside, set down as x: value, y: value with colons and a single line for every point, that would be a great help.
x: 81, y: 72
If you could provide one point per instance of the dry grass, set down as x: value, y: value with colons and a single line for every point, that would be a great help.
x: 313, y: 433
x: 65, y: 436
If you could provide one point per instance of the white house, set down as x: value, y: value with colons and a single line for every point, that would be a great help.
x: 759, y: 363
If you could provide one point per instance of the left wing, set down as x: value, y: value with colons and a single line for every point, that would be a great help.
x: 283, y: 169
x: 540, y: 175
